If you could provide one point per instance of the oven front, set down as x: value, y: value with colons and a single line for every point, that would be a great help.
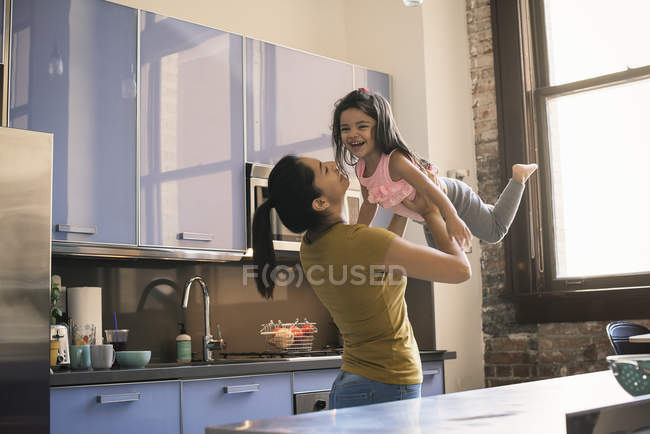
x: 283, y: 238
x: 311, y: 401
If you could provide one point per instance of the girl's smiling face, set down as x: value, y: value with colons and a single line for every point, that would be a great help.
x: 358, y: 132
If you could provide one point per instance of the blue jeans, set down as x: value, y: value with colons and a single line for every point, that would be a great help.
x: 350, y: 390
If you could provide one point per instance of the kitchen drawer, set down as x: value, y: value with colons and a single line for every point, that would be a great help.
x: 234, y: 399
x: 311, y: 381
x: 433, y: 381
x: 125, y: 408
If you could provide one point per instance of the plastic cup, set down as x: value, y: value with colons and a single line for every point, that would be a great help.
x: 117, y: 338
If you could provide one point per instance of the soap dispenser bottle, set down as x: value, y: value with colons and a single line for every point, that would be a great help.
x: 183, y: 345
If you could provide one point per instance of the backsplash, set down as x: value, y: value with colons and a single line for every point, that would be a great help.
x: 147, y: 296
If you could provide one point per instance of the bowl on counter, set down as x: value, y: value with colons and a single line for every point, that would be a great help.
x: 133, y: 359
x: 632, y: 372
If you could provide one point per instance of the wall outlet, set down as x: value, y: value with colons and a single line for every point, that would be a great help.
x: 458, y: 173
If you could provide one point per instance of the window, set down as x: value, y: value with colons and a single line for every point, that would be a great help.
x: 573, y: 91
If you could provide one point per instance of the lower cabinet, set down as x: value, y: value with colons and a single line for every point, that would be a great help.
x: 124, y: 408
x: 189, y: 406
x: 234, y: 399
x: 433, y: 380
x: 314, y: 381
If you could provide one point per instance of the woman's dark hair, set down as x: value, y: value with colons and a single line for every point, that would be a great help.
x: 387, y: 136
x: 291, y: 193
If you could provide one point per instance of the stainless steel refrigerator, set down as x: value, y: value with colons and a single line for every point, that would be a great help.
x: 25, y: 215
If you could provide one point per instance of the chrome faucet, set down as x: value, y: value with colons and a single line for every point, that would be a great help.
x: 209, y: 344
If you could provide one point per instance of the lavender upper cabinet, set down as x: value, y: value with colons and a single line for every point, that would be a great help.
x: 373, y: 80
x: 73, y: 74
x: 2, y: 32
x: 191, y: 136
x: 290, y: 98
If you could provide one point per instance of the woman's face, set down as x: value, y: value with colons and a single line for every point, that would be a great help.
x: 327, y: 178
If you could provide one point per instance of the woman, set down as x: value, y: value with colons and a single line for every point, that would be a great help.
x: 342, y: 262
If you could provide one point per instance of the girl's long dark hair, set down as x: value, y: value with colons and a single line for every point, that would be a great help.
x: 291, y: 193
x: 387, y: 135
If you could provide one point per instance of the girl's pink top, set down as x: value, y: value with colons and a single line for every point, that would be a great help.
x: 386, y: 192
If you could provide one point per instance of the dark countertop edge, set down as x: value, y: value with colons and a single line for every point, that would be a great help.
x: 84, y: 378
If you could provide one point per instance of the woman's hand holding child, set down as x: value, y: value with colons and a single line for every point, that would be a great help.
x: 422, y: 205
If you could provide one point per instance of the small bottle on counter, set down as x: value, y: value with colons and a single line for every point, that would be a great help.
x: 183, y: 345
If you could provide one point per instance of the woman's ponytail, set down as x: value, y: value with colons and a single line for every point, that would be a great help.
x: 263, y: 253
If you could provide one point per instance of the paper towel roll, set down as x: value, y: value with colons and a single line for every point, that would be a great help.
x: 85, y: 307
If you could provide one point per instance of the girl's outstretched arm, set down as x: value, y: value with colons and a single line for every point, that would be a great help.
x: 401, y: 167
x: 368, y: 210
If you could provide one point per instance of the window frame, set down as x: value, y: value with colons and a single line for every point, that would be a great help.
x: 521, y: 81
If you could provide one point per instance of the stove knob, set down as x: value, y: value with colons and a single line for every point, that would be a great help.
x: 320, y: 405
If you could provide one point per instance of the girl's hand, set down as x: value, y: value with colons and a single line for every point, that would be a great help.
x: 458, y: 230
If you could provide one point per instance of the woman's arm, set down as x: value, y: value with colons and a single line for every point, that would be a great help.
x: 447, y: 265
x: 368, y: 210
x: 402, y: 168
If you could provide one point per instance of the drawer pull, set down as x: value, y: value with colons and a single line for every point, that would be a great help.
x: 431, y: 372
x: 195, y: 236
x: 120, y: 397
x: 73, y: 229
x: 244, y: 388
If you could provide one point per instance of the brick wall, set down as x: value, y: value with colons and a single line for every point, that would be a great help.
x: 515, y: 352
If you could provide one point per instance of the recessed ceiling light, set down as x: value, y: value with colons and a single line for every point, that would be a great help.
x: 412, y: 3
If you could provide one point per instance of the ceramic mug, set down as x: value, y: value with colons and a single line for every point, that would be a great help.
x: 83, y: 334
x: 102, y: 356
x: 80, y: 357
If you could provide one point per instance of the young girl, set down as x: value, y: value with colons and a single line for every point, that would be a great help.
x: 365, y: 134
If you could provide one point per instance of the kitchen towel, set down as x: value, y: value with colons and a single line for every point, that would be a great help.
x: 85, y: 307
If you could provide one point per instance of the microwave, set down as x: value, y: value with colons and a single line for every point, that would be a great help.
x: 257, y: 181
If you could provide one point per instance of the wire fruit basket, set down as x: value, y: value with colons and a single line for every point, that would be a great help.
x: 294, y: 337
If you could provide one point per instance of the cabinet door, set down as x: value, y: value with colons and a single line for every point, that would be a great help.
x: 433, y: 380
x: 290, y: 98
x: 230, y: 400
x: 373, y: 80
x: 191, y: 136
x: 73, y: 74
x: 2, y: 32
x: 313, y: 381
x: 125, y: 409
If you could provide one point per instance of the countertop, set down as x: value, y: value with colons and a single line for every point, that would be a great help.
x: 220, y: 368
x: 534, y: 407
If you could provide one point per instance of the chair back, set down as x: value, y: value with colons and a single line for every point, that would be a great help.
x: 619, y: 333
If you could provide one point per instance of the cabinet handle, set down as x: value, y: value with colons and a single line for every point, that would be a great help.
x: 120, y: 397
x: 90, y: 230
x: 242, y: 389
x: 195, y: 236
x: 431, y: 372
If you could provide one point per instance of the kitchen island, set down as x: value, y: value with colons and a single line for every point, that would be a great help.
x: 534, y: 407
